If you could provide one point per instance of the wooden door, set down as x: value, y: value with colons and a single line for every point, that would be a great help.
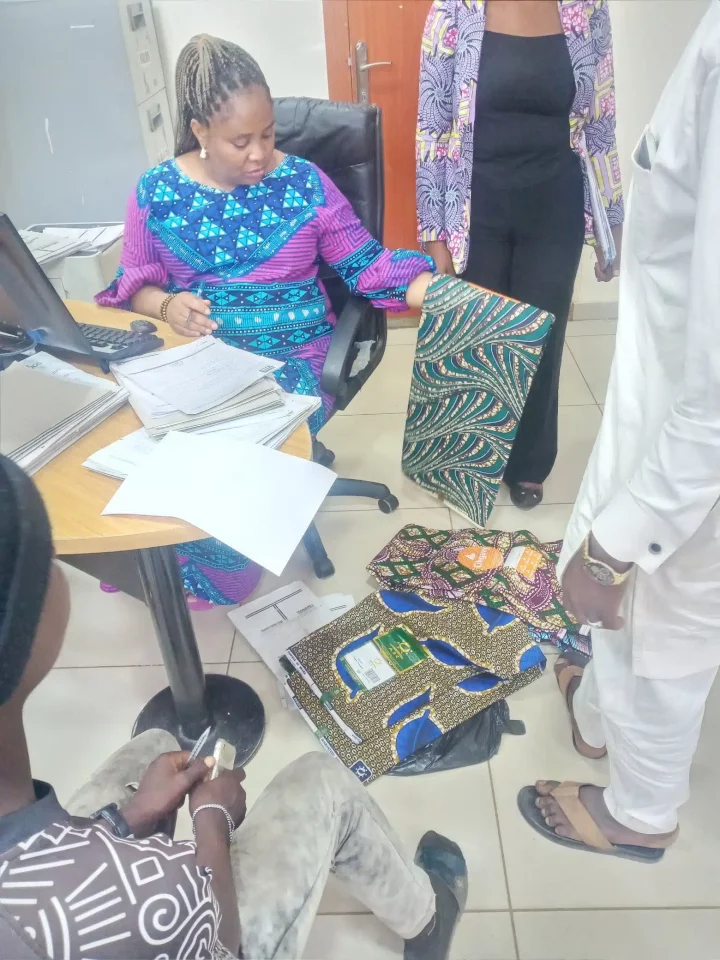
x: 392, y: 31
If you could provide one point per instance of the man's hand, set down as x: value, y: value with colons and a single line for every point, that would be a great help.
x: 588, y: 601
x: 227, y: 790
x: 163, y: 790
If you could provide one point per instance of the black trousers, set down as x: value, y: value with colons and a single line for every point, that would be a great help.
x: 526, y: 243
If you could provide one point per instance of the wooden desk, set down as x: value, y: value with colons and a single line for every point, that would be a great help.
x: 75, y: 496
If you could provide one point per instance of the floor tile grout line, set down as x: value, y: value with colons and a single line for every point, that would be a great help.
x: 504, y: 863
x: 232, y: 647
x: 606, y: 909
x: 585, y: 379
x: 502, y: 910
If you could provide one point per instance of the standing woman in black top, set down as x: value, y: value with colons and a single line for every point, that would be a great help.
x: 543, y: 126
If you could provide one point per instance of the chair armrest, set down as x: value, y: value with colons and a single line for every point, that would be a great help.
x: 339, y: 360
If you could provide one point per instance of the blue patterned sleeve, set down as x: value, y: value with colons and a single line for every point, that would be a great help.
x: 369, y: 269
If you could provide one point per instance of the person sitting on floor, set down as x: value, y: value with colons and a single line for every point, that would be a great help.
x: 226, y: 240
x: 96, y: 880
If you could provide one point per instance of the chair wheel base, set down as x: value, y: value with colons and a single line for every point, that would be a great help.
x: 326, y: 459
x: 324, y: 569
x: 388, y: 504
x: 322, y: 455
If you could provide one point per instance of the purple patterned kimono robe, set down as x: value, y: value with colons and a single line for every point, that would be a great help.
x: 450, y: 61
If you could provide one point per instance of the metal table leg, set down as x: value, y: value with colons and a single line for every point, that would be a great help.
x: 192, y: 701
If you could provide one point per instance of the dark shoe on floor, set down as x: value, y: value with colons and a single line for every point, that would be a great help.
x: 444, y: 863
x: 526, y: 497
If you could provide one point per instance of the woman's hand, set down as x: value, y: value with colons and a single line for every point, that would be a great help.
x: 163, y: 790
x: 417, y: 289
x: 604, y: 273
x: 438, y: 250
x: 227, y: 790
x: 189, y: 316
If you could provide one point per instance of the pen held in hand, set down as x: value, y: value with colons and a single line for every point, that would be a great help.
x: 201, y: 741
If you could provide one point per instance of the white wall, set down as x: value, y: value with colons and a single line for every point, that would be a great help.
x: 286, y: 37
x: 649, y: 37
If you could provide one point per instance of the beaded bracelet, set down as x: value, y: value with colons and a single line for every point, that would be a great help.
x: 164, y: 307
x: 215, y: 806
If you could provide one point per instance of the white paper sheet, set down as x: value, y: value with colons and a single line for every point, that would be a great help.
x: 65, y: 371
x: 120, y: 458
x: 197, y: 376
x: 258, y: 501
x: 273, y: 623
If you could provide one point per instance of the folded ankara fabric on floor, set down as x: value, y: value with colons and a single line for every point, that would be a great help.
x: 413, y: 725
x: 513, y: 572
x: 397, y: 671
x: 476, y: 356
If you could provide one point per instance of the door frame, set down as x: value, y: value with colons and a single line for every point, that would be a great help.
x: 341, y: 83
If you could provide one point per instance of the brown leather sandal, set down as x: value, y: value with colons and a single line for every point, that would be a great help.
x: 567, y: 672
x: 593, y: 840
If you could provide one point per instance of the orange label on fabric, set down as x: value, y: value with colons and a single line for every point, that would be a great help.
x: 479, y: 559
x: 525, y: 560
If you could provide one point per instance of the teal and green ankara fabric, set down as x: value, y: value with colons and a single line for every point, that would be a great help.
x: 476, y: 356
x: 406, y: 670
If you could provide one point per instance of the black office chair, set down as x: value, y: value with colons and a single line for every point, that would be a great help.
x: 345, y: 141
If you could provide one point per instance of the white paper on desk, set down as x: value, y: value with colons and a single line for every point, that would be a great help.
x: 119, y: 458
x: 65, y: 371
x: 258, y: 501
x: 199, y: 375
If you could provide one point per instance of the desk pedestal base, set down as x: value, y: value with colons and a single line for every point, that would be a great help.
x: 193, y: 701
x: 234, y: 710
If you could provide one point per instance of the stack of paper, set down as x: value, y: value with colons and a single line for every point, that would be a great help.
x: 273, y: 623
x: 271, y: 429
x: 46, y: 405
x: 45, y: 249
x: 201, y: 384
x: 258, y: 501
x: 52, y: 243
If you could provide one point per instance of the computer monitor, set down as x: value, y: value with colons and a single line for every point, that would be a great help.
x: 28, y: 300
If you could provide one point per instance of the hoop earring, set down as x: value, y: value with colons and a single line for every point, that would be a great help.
x: 203, y: 153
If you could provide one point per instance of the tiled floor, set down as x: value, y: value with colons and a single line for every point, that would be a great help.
x: 528, y: 898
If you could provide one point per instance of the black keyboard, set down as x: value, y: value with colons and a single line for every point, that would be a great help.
x: 114, y: 344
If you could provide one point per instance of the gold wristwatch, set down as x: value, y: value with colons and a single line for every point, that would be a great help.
x: 602, y: 572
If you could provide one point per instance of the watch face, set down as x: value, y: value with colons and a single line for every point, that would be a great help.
x: 600, y: 573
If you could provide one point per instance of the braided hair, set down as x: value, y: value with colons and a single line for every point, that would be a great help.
x: 208, y: 72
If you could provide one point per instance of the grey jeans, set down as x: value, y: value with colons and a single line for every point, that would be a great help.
x: 314, y: 818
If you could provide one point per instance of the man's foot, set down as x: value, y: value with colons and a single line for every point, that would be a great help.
x: 526, y: 496
x: 445, y: 865
x: 592, y: 798
x: 569, y: 676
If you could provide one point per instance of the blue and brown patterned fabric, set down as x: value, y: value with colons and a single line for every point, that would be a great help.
x: 397, y: 671
x: 476, y: 356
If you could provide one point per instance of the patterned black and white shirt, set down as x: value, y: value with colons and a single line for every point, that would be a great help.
x: 69, y: 890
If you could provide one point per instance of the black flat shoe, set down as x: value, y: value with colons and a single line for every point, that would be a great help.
x: 445, y: 865
x: 524, y: 497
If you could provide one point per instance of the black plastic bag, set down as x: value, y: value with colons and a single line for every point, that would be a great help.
x: 474, y: 741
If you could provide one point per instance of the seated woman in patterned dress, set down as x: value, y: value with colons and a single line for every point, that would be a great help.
x: 226, y: 239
